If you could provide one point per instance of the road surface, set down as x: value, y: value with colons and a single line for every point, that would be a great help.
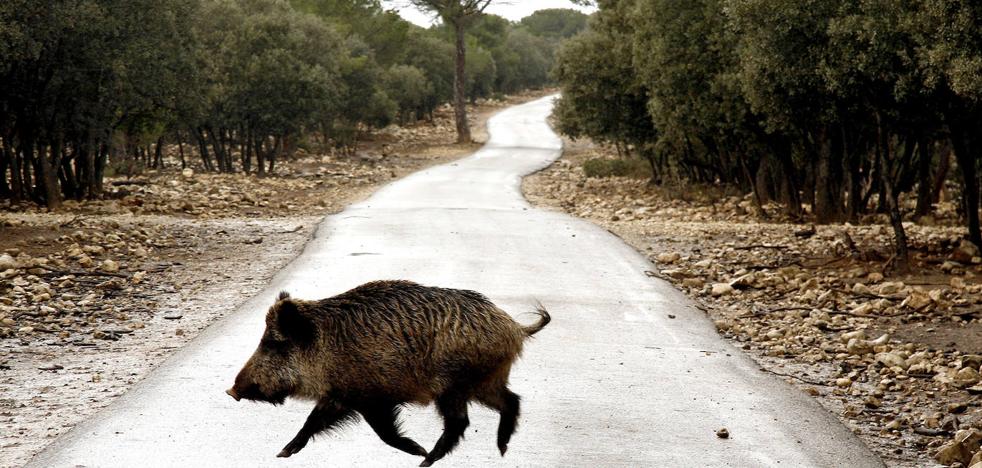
x: 613, y: 381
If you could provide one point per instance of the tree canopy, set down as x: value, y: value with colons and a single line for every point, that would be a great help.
x: 97, y: 87
x: 835, y: 108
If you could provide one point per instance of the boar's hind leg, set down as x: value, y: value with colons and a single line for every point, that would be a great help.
x: 508, y: 406
x: 453, y: 407
x: 384, y: 419
x: 325, y: 416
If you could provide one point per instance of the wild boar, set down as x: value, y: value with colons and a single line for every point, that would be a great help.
x: 382, y: 345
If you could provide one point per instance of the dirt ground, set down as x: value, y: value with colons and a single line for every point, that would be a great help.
x: 895, y: 357
x: 94, y: 296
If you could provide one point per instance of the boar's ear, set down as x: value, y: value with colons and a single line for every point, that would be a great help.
x: 283, y: 295
x: 293, y: 325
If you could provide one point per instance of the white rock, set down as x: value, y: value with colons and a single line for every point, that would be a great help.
x: 7, y: 262
x: 721, y: 289
x: 966, y: 377
x: 863, y: 309
x: 109, y: 266
x: 845, y: 337
x: 668, y: 257
x: 858, y: 347
x: 891, y: 287
x: 917, y: 300
x: 860, y: 288
x: 891, y: 360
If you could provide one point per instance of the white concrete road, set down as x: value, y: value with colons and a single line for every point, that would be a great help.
x: 613, y: 381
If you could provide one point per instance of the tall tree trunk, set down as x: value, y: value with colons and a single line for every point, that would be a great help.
x: 260, y: 157
x: 460, y: 85
x: 789, y: 183
x: 960, y: 140
x: 16, y: 180
x: 203, y: 149
x: 827, y: 206
x: 180, y: 150
x: 49, y: 178
x: 924, y: 178
x: 68, y: 177
x: 4, y: 165
x: 158, y: 155
x: 889, y: 176
x: 92, y: 150
x: 246, y: 151
x: 944, y: 165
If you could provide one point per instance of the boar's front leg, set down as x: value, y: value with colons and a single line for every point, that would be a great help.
x: 384, y: 419
x: 326, y: 415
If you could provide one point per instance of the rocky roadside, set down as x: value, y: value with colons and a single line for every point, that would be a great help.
x: 94, y: 296
x: 897, y: 358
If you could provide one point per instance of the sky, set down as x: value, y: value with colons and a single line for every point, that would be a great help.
x: 513, y: 9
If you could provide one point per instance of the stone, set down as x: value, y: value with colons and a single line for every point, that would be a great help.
x: 859, y: 346
x: 891, y: 360
x: 961, y: 448
x: 109, y: 266
x: 723, y: 433
x: 668, y: 257
x: 8, y: 263
x: 138, y: 277
x: 972, y: 360
x: 721, y: 289
x: 917, y: 300
x: 845, y: 337
x: 891, y: 287
x: 863, y: 309
x: 860, y: 288
x: 966, y: 377
x: 693, y: 282
x: 965, y: 252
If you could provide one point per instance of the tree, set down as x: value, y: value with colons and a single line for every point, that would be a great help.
x: 602, y: 98
x: 555, y: 23
x: 409, y: 88
x: 457, y: 14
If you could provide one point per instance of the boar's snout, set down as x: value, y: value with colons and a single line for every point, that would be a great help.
x: 232, y: 393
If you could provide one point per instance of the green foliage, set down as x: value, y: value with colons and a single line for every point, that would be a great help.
x: 602, y: 98
x: 606, y: 167
x: 90, y: 85
x: 826, y: 102
x: 555, y: 23
x: 410, y: 90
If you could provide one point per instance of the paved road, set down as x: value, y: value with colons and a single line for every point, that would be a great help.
x: 613, y: 381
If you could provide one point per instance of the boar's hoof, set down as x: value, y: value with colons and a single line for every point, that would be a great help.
x: 426, y: 462
x: 290, y: 449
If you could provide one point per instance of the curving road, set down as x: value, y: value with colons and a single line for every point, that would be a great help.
x: 613, y: 381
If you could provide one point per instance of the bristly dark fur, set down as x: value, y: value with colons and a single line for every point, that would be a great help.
x: 384, y: 344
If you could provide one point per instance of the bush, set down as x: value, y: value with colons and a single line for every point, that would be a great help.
x: 603, y: 167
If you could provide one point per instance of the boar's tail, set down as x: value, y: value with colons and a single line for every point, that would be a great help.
x: 544, y: 319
